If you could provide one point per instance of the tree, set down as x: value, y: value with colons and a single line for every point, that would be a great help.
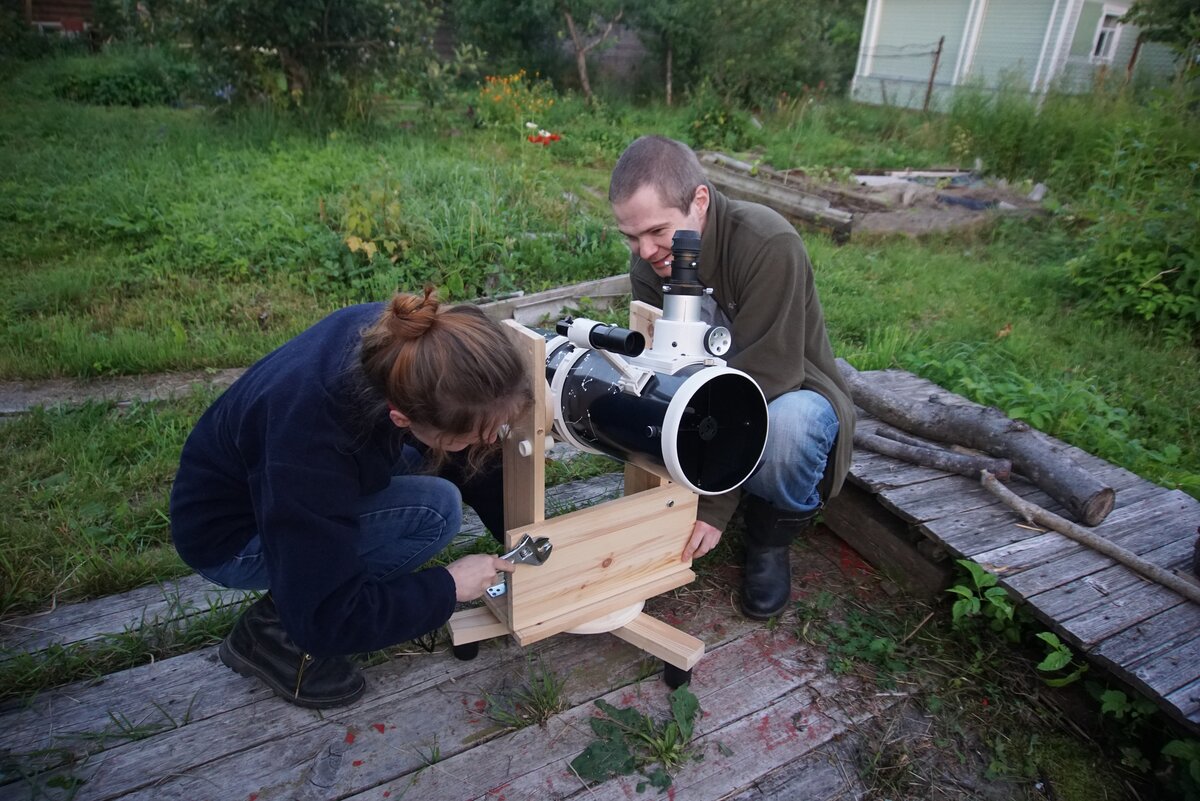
x: 290, y: 49
x: 588, y: 36
x: 671, y: 28
x: 1175, y: 23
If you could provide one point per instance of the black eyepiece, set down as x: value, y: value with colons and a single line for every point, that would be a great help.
x: 685, y: 258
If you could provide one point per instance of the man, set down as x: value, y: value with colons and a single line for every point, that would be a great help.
x: 762, y: 289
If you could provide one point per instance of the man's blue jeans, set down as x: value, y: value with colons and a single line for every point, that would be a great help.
x: 803, y: 427
x: 400, y: 528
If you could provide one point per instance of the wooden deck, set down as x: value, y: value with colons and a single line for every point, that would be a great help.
x: 908, y: 520
x: 776, y: 724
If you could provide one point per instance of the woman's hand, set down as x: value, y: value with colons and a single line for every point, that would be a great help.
x: 475, y: 573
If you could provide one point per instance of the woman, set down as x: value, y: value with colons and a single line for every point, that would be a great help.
x: 311, y: 477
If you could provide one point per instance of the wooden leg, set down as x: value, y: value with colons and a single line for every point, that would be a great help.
x: 670, y: 644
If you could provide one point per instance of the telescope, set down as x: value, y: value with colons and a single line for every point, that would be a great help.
x: 676, y: 409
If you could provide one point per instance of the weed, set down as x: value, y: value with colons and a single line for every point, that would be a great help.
x: 431, y: 755
x: 983, y: 599
x: 537, y: 700
x: 632, y: 742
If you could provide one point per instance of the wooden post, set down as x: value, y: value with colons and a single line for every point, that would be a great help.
x: 937, y: 57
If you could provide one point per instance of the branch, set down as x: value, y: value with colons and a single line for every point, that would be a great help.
x: 603, y: 36
x: 940, y: 458
x: 1032, y: 513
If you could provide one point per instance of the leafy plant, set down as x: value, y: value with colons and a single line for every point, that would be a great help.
x: 136, y: 77
x: 630, y: 742
x: 982, y: 599
x: 1059, y: 659
x: 1185, y: 754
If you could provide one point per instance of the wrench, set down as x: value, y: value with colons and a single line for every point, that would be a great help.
x: 527, y: 552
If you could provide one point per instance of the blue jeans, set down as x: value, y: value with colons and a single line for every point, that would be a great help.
x: 803, y: 427
x: 400, y: 528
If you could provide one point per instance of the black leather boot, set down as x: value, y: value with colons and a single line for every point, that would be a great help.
x: 259, y: 647
x: 770, y: 531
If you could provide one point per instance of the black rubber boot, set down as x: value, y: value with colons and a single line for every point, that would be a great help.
x: 259, y: 647
x: 767, y: 583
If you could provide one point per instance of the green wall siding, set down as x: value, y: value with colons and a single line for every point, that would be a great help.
x: 1085, y: 33
x: 904, y: 25
x: 1010, y: 41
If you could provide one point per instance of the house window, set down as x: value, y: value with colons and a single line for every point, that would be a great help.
x: 1107, y: 33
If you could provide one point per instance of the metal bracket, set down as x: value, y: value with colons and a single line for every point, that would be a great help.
x: 527, y: 552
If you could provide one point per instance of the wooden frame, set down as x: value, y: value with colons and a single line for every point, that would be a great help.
x: 607, y: 559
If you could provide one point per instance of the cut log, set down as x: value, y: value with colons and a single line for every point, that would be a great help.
x: 987, y: 429
x: 961, y: 463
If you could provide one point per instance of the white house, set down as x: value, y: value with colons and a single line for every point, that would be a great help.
x: 1044, y: 45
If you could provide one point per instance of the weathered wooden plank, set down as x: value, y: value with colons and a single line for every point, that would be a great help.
x: 825, y: 774
x: 1139, y: 528
x: 75, y: 623
x: 743, y: 675
x: 1187, y: 701
x: 1104, y: 587
x: 1171, y: 669
x: 1140, y: 603
x: 954, y: 495
x: 375, y: 741
x: 1150, y: 638
x: 746, y: 749
x: 1049, y: 560
x: 883, y: 540
x: 182, y: 692
x: 206, y: 755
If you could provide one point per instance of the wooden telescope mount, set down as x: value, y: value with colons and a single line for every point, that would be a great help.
x: 606, y: 559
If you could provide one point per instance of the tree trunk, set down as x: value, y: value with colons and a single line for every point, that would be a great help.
x: 580, y: 55
x: 670, y: 54
x: 991, y: 431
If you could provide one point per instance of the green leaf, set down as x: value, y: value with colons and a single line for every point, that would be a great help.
x: 684, y: 708
x: 604, y: 758
x: 1056, y: 660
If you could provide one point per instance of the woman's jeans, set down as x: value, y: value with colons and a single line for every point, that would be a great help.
x: 400, y: 528
x: 803, y: 427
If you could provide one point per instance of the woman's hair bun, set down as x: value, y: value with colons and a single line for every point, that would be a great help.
x: 412, y: 315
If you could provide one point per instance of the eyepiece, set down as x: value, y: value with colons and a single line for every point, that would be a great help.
x: 685, y: 258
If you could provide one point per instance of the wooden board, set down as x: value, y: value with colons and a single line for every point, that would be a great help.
x: 602, y: 552
x: 525, y: 475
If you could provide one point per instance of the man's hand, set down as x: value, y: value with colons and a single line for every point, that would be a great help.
x: 704, y: 539
x: 475, y: 573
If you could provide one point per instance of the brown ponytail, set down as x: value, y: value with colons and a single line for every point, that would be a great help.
x: 451, y: 368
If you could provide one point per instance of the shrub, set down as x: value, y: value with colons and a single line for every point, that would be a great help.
x: 1141, y: 256
x: 142, y: 77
